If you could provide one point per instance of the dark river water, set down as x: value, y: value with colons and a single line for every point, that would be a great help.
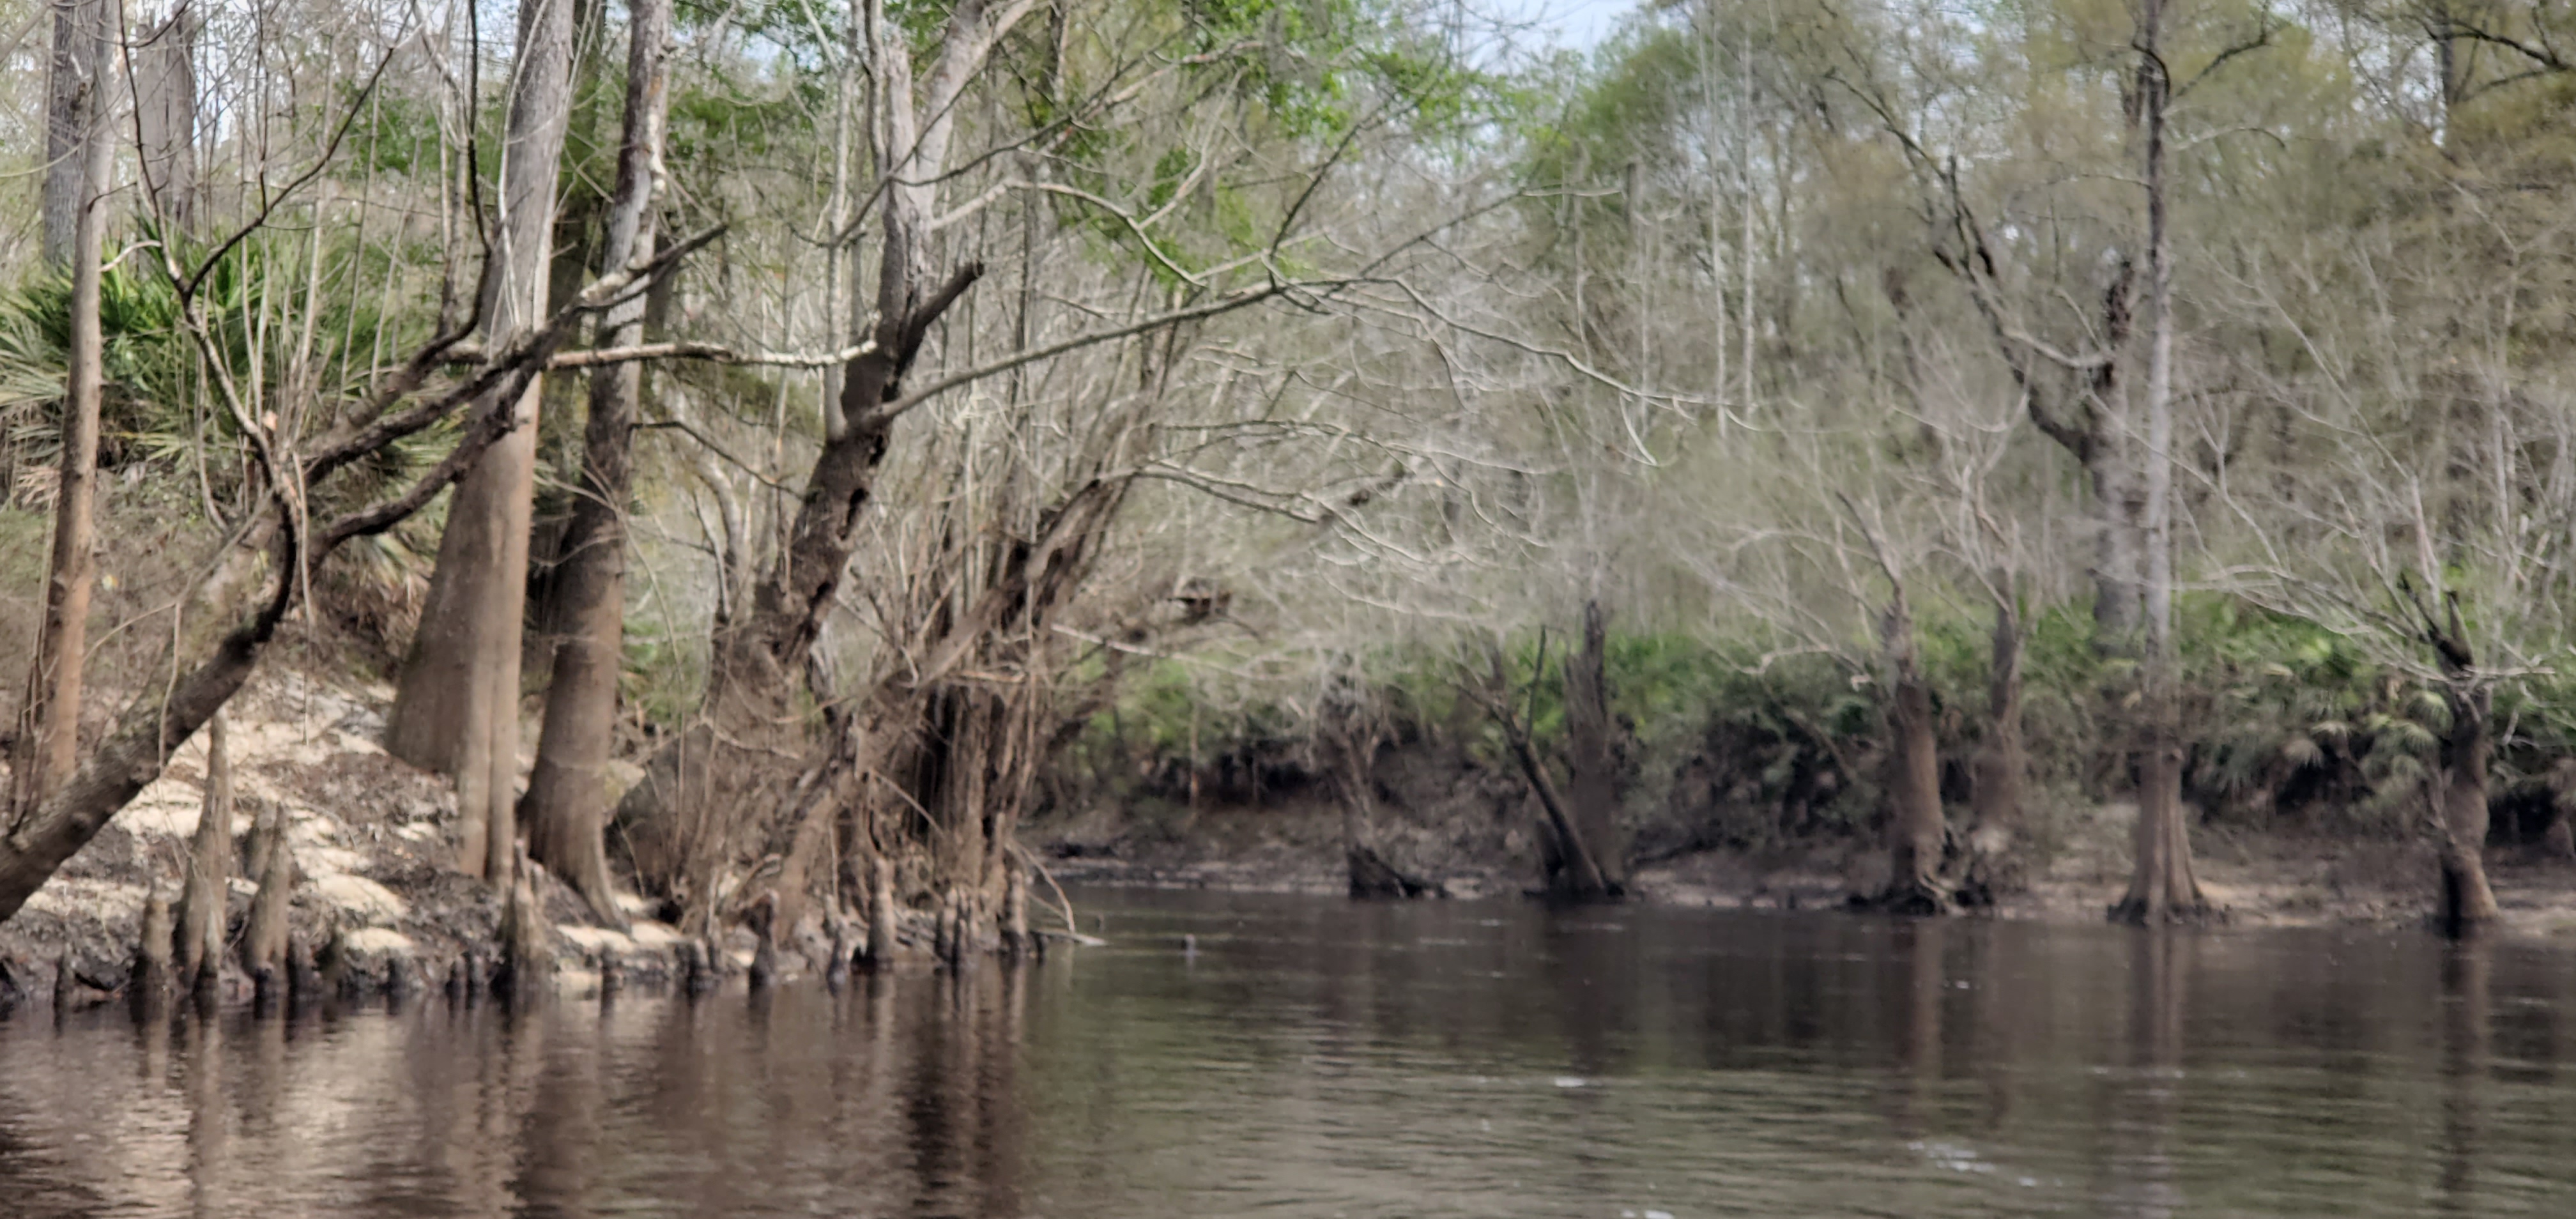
x: 1316, y: 1058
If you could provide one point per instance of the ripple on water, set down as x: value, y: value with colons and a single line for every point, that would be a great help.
x: 1319, y: 1059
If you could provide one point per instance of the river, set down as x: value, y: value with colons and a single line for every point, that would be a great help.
x: 1314, y: 1058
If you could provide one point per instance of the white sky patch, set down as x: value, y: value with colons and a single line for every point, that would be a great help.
x: 1574, y: 24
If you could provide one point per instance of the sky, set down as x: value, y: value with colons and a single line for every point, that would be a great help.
x: 1576, y: 24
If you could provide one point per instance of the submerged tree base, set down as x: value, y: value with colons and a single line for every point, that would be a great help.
x: 1374, y: 879
x: 1911, y: 899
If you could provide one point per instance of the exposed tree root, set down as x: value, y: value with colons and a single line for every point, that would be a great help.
x: 1374, y: 879
x: 1913, y: 898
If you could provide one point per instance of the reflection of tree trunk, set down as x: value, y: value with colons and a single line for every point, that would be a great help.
x: 1918, y: 1049
x: 2466, y: 1006
x: 457, y: 710
x: 567, y: 804
x: 567, y: 1145
x: 1005, y: 1118
x: 939, y: 1102
x: 209, y: 1117
x: 2002, y: 766
x: 2144, y: 1184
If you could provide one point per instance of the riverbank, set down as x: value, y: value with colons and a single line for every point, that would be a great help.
x: 377, y: 906
x: 376, y: 902
x: 2257, y: 879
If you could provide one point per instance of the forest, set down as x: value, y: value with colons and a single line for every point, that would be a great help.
x: 819, y: 470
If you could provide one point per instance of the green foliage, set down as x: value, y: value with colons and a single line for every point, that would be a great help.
x: 393, y: 132
x: 162, y: 407
x: 663, y: 678
x: 1730, y: 744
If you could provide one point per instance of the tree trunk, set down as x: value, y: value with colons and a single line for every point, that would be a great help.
x: 789, y: 604
x: 200, y: 948
x: 457, y: 710
x: 1368, y: 873
x: 77, y: 97
x: 2163, y: 886
x: 151, y: 984
x: 1593, y: 776
x: 235, y: 609
x: 2559, y: 839
x: 2458, y: 787
x: 2119, y: 558
x: 1353, y: 748
x: 2002, y: 767
x: 567, y: 805
x: 1567, y: 862
x: 1915, y: 828
x: 151, y: 729
x: 757, y: 666
x: 264, y: 940
x: 49, y: 717
x: 165, y: 92
x: 1015, y: 910
x: 527, y: 943
x: 881, y: 913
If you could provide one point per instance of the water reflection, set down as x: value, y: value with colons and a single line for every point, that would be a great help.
x: 2146, y: 1107
x: 2466, y: 970
x: 1316, y: 1058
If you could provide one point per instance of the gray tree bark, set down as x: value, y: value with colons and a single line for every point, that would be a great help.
x: 165, y: 90
x: 457, y: 707
x: 48, y: 741
x: 2163, y: 885
x: 567, y: 805
x: 264, y: 941
x: 200, y: 948
x: 76, y: 95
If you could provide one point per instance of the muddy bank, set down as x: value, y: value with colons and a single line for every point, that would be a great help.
x: 2258, y: 879
x: 375, y: 904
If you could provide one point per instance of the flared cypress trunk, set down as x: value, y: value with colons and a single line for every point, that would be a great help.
x: 200, y: 949
x: 2163, y: 885
x: 2458, y: 788
x: 1915, y: 826
x: 457, y: 708
x: 566, y: 811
